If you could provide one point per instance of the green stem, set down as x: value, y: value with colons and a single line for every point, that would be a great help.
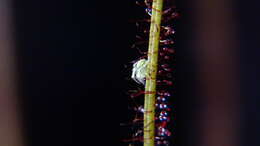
x: 150, y: 87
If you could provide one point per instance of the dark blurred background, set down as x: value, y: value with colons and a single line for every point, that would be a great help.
x: 71, y: 58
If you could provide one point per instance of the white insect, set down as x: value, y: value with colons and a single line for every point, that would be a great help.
x: 139, y: 71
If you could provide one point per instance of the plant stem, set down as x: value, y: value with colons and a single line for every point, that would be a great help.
x: 150, y: 87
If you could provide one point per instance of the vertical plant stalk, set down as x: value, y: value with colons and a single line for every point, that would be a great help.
x: 150, y: 87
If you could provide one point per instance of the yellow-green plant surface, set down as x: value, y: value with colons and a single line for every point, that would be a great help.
x: 150, y: 87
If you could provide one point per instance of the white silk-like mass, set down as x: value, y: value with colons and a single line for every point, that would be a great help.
x: 139, y: 71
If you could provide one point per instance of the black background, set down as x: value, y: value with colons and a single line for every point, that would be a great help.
x: 71, y: 58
